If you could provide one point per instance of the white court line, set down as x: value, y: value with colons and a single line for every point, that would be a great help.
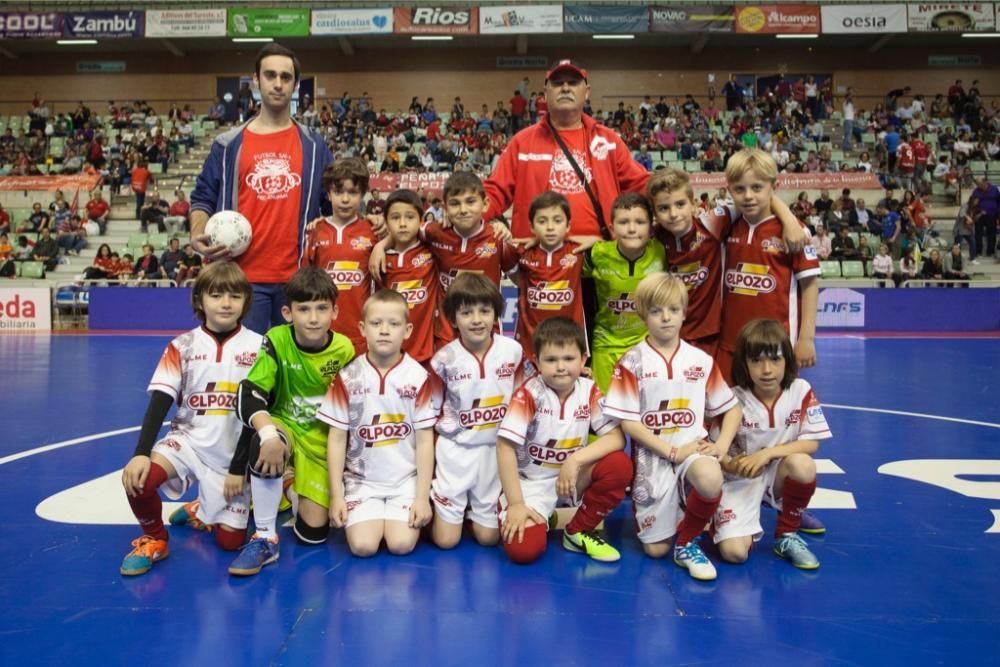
x: 67, y: 443
x: 920, y: 415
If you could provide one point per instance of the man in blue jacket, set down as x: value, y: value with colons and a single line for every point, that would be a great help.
x: 269, y: 169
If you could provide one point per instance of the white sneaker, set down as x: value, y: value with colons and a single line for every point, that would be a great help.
x: 691, y: 557
x: 974, y: 262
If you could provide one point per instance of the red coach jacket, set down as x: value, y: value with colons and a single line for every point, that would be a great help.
x: 524, y: 168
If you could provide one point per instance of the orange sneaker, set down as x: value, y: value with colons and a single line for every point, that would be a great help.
x: 147, y: 550
x: 187, y: 515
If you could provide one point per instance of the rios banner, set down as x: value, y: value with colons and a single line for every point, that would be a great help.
x: 692, y: 18
x: 436, y: 20
x: 274, y: 22
x: 778, y: 19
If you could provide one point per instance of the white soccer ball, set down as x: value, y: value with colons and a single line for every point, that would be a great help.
x: 230, y: 229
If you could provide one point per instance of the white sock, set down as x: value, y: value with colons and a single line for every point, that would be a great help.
x: 266, y: 492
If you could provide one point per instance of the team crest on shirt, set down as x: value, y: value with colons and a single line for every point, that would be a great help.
x: 412, y: 290
x: 407, y: 392
x: 621, y: 305
x: 553, y: 453
x: 421, y: 259
x: 485, y: 413
x: 582, y: 412
x: 750, y: 279
x: 694, y: 373
x: 692, y: 275
x: 345, y: 275
x: 699, y: 239
x: 245, y: 359
x: 384, y: 431
x: 551, y: 295
x: 487, y: 249
x: 724, y: 517
x: 506, y: 370
x: 361, y: 243
x: 330, y: 369
x: 600, y: 147
x: 773, y: 246
x: 272, y: 176
x: 793, y: 417
x: 562, y: 176
x: 218, y: 398
x: 672, y: 415
x: 568, y: 261
x: 647, y: 522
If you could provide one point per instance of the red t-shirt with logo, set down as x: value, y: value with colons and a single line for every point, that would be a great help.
x: 548, y: 286
x: 140, y: 179
x: 270, y: 186
x: 413, y: 274
x: 95, y: 209
x: 563, y: 179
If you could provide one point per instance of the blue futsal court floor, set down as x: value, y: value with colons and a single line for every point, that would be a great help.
x: 910, y: 493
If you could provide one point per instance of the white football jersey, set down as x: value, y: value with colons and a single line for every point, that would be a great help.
x: 796, y: 415
x: 547, y: 431
x: 473, y: 395
x: 381, y: 414
x: 203, y: 377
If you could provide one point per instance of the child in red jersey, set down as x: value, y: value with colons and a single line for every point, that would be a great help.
x: 342, y: 243
x: 693, y: 241
x: 548, y: 273
x: 410, y: 270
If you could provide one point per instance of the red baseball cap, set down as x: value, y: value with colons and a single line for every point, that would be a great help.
x: 566, y: 66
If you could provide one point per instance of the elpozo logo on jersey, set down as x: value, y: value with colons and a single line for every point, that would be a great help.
x: 692, y: 275
x: 412, y: 290
x: 623, y: 304
x: 672, y: 416
x: 550, y: 295
x: 485, y: 413
x: 553, y: 453
x: 345, y: 275
x: 750, y: 279
x: 384, y: 431
x: 218, y: 398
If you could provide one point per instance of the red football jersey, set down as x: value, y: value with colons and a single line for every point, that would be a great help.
x: 696, y: 258
x: 413, y: 274
x: 762, y: 279
x: 548, y: 286
x: 343, y: 252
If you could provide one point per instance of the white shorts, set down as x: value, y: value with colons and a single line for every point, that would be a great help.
x: 539, y: 494
x: 738, y: 514
x: 213, y: 508
x: 465, y: 477
x: 369, y: 503
x: 659, y: 495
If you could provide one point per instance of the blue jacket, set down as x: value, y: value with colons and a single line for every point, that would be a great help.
x: 217, y: 188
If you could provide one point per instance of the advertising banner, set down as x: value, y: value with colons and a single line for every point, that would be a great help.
x: 840, y: 307
x: 436, y: 20
x: 25, y: 309
x: 605, y: 19
x: 520, y: 19
x: 951, y: 17
x: 778, y: 19
x: 351, y: 21
x: 30, y: 25
x: 854, y: 19
x: 185, y: 23
x: 271, y: 22
x: 692, y: 18
x: 102, y: 25
x: 50, y: 183
x: 855, y: 180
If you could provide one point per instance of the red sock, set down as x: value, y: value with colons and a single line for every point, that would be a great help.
x: 795, y: 497
x: 147, y: 506
x: 699, y: 512
x: 608, y: 481
x: 229, y: 540
x: 531, y: 549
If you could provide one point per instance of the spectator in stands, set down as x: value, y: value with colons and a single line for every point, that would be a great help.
x: 46, y: 250
x: 836, y: 218
x: 843, y: 247
x: 98, y: 210
x: 847, y: 111
x: 154, y: 212
x: 147, y: 267
x: 126, y: 266
x: 821, y: 242
x: 908, y: 268
x: 645, y: 159
x: 104, y: 265
x: 861, y: 219
x: 915, y: 213
x: 864, y: 250
x: 933, y: 268
x: 953, y: 265
x: 60, y: 214
x: 217, y: 111
x: 882, y: 264
x: 733, y: 93
x: 190, y: 265
x: 170, y: 260
x: 984, y: 205
x: 947, y: 176
x: 23, y: 249
x: 965, y: 229
x: 910, y: 242
x: 141, y: 179
x: 7, y: 266
x: 4, y: 221
x: 71, y: 236
x: 892, y: 225
x: 37, y: 221
x: 518, y: 107
x: 177, y: 216
x: 823, y: 204
x: 58, y: 198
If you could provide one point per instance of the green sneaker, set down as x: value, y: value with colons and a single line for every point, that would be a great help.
x: 592, y: 544
x: 793, y: 548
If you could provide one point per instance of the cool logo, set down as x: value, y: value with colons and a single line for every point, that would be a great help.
x: 374, y: 433
x: 668, y: 419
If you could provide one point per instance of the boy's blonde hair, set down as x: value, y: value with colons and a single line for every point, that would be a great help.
x: 753, y: 161
x: 386, y: 295
x: 669, y: 180
x: 660, y: 289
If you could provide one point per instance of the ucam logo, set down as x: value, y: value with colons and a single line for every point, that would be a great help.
x: 840, y: 307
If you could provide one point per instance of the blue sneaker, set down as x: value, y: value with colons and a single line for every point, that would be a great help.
x: 793, y: 548
x: 693, y: 559
x: 811, y: 525
x: 254, y: 555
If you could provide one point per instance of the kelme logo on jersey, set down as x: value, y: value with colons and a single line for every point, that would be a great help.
x: 672, y: 416
x: 218, y: 398
x: 550, y: 295
x: 485, y: 413
x: 412, y: 290
x: 749, y: 279
x: 553, y: 453
x: 345, y: 275
x: 384, y: 431
x: 692, y: 275
x: 622, y: 304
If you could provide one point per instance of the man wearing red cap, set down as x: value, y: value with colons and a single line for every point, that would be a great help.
x: 553, y: 153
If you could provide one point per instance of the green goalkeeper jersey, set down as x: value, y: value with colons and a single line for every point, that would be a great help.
x: 617, y: 325
x: 296, y: 380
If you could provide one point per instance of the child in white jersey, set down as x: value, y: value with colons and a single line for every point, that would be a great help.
x: 380, y: 451
x: 200, y: 371
x: 474, y: 377
x: 771, y: 456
